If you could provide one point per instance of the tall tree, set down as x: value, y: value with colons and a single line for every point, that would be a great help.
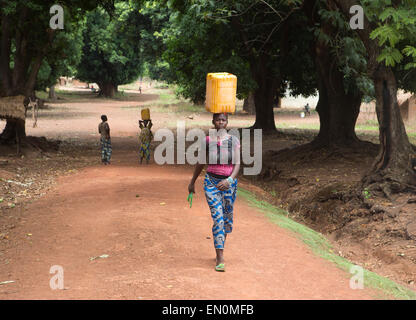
x: 193, y: 49
x: 251, y: 32
x: 62, y: 57
x: 341, y: 69
x: 261, y: 34
x: 111, y: 54
x: 388, y: 35
x: 25, y: 40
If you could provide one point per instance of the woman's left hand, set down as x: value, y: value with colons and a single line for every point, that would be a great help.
x: 223, y: 185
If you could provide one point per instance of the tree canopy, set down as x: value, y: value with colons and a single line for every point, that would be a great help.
x: 26, y: 39
x: 111, y: 53
x: 63, y: 56
x: 273, y: 46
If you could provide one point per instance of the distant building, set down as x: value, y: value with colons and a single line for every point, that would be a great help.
x: 408, y: 109
x: 407, y: 106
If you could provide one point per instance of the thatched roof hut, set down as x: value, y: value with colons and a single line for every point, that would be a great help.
x: 12, y: 107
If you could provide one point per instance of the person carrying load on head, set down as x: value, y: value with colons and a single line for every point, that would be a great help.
x: 220, y: 183
x: 145, y: 137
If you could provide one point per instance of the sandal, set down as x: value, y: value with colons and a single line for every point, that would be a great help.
x: 220, y: 267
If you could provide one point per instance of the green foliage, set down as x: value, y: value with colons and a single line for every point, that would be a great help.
x: 31, y: 40
x: 386, y: 35
x: 153, y: 44
x: 236, y: 37
x: 193, y: 48
x: 349, y: 50
x: 395, y: 31
x: 366, y: 193
x: 391, y: 56
x: 111, y: 53
x: 62, y: 57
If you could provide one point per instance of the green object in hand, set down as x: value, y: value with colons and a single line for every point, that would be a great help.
x: 189, y: 199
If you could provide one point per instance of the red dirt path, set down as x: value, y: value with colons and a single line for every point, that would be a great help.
x: 155, y: 251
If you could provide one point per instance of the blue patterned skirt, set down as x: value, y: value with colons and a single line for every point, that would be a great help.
x: 106, y: 150
x: 221, y: 204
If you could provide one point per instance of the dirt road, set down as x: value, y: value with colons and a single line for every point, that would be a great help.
x: 157, y: 247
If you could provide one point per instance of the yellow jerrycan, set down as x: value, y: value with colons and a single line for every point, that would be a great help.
x: 221, y: 92
x: 146, y: 114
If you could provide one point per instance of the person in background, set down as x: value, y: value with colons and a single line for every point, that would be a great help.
x: 307, y: 109
x: 220, y: 184
x: 145, y: 137
x: 106, y: 150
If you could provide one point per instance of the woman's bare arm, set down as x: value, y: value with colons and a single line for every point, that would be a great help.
x: 236, y: 169
x: 197, y: 171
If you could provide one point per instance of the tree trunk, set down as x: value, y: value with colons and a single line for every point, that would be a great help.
x: 263, y: 100
x: 24, y: 78
x: 248, y: 105
x: 277, y: 102
x: 267, y: 85
x: 392, y: 170
x: 5, y: 49
x: 15, y: 128
x: 107, y: 89
x: 338, y: 110
x: 52, y: 94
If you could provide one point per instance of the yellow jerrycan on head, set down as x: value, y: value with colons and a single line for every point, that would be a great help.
x: 221, y: 92
x: 146, y: 114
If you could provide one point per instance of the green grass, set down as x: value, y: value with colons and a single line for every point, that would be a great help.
x: 182, y: 107
x: 42, y: 95
x: 189, y: 107
x: 366, y: 127
x: 73, y: 95
x: 310, y: 126
x: 130, y: 86
x: 322, y: 247
x: 292, y: 111
x: 168, y: 98
x: 315, y: 126
x: 208, y: 123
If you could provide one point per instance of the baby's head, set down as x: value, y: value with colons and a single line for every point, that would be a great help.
x: 104, y: 117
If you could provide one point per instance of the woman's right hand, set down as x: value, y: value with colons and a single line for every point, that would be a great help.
x: 191, y: 188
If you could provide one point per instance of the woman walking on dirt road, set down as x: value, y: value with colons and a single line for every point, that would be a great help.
x: 145, y: 137
x: 106, y: 150
x: 220, y: 183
